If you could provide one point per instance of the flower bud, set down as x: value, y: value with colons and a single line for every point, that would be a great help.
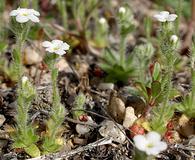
x: 122, y: 10
x: 24, y: 79
x: 174, y: 39
x: 102, y: 20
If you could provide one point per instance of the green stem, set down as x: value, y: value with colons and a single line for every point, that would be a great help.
x: 55, y: 96
x: 193, y: 83
x: 168, y: 84
x: 62, y: 8
x: 122, y: 51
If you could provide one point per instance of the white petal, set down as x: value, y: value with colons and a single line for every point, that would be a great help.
x: 164, y: 13
x: 160, y: 18
x: 36, y: 13
x: 65, y: 46
x: 50, y: 50
x: 21, y: 19
x: 171, y: 17
x: 140, y: 142
x: 152, y: 151
x: 153, y: 137
x: 60, y: 52
x: 161, y: 146
x: 33, y: 18
x: 57, y: 42
x: 122, y: 10
x: 14, y: 13
x: 24, y: 79
x: 46, y: 44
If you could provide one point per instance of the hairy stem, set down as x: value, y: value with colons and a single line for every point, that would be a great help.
x: 122, y: 50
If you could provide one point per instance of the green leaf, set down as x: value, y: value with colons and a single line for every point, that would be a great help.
x: 156, y: 71
x: 32, y: 150
x: 3, y: 46
x: 142, y: 89
x: 78, y: 104
x: 18, y: 144
x: 156, y: 88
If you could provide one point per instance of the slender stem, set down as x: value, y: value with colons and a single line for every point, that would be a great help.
x: 193, y: 83
x: 122, y: 51
x: 55, y: 96
x: 62, y: 8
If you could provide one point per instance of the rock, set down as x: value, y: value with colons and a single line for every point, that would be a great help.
x: 130, y: 117
x: 2, y: 119
x: 106, y: 86
x: 31, y: 56
x: 191, y: 140
x: 109, y: 129
x: 80, y: 141
x: 116, y: 108
x: 82, y: 129
x: 137, y: 103
x: 187, y: 127
x: 62, y: 65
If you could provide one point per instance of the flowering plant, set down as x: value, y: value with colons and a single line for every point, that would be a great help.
x: 24, y: 136
x: 119, y: 67
x: 51, y: 140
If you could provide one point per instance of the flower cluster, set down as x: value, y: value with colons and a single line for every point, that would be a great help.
x: 150, y: 143
x: 23, y: 15
x: 56, y: 46
x: 165, y: 16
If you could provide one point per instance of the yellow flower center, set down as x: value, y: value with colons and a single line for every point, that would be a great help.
x: 25, y: 14
x: 150, y: 145
x: 55, y: 48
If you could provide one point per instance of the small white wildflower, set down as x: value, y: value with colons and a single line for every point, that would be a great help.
x: 150, y: 143
x: 174, y: 39
x: 122, y: 10
x: 102, y: 20
x: 23, y: 15
x: 164, y: 16
x: 56, y: 46
x: 24, y: 79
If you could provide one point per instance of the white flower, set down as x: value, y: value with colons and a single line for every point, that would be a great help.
x: 150, y: 143
x: 102, y: 20
x: 23, y: 15
x: 165, y: 16
x: 122, y: 10
x: 56, y: 46
x: 174, y: 39
x: 24, y: 79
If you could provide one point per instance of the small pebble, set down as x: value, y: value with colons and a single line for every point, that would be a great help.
x: 2, y: 119
x: 106, y: 86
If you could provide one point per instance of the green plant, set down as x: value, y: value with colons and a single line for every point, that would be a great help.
x: 143, y: 54
x: 119, y: 67
x: 168, y: 44
x: 2, y: 24
x: 52, y: 138
x: 78, y: 105
x: 100, y: 39
x: 62, y: 9
x: 24, y: 136
x: 151, y: 90
x: 187, y: 106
